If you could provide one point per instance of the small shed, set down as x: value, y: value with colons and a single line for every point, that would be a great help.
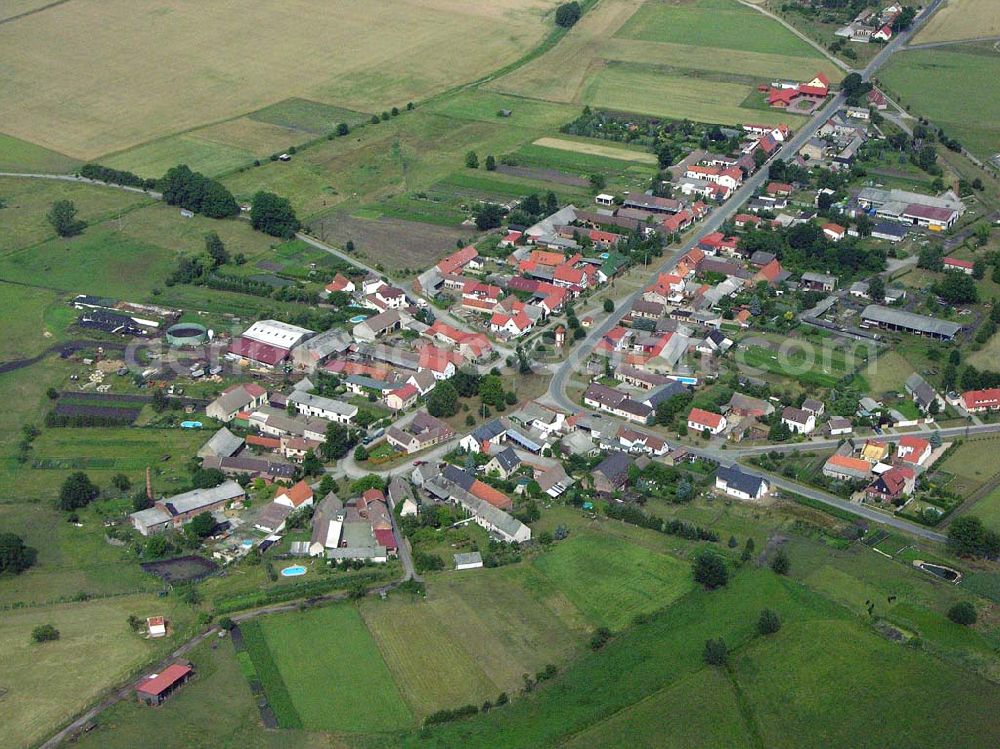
x: 471, y: 561
x: 157, y: 626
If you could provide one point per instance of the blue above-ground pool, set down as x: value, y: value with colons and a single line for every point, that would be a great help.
x: 605, y: 255
x: 294, y: 571
x: 358, y: 318
x: 190, y: 425
x: 247, y: 543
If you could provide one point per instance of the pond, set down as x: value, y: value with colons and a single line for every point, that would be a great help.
x: 945, y: 573
x: 294, y: 571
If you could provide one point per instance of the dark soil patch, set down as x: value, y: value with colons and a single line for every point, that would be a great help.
x: 181, y: 569
x: 395, y: 243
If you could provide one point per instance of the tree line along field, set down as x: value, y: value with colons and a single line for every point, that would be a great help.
x: 956, y: 87
x: 695, y: 59
x: 961, y: 19
x: 365, y: 57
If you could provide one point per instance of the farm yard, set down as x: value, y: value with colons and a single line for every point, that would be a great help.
x: 957, y: 88
x: 364, y: 44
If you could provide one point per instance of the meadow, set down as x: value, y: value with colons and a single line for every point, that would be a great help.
x: 961, y: 19
x: 957, y: 88
x: 18, y: 155
x: 612, y: 581
x: 44, y: 684
x: 825, y: 370
x: 965, y: 463
x: 327, y: 664
x: 720, y: 24
x: 364, y: 57
x: 666, y: 653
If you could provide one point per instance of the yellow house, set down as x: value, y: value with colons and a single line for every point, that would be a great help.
x: 875, y: 451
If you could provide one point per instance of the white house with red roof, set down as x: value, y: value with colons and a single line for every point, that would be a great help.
x: 975, y: 401
x: 834, y: 232
x: 480, y: 297
x: 402, y: 398
x: 913, y: 450
x: 963, y: 266
x: 297, y: 496
x: 341, y: 282
x: 467, y: 257
x: 439, y: 361
x: 510, y: 325
x: 700, y: 420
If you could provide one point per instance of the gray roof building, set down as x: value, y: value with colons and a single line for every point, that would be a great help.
x: 897, y: 319
x: 222, y: 444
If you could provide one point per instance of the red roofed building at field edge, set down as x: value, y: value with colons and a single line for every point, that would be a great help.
x: 816, y: 90
x: 155, y: 688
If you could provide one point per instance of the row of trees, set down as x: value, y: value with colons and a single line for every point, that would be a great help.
x: 197, y: 193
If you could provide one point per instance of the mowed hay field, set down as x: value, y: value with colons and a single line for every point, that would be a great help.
x: 474, y: 635
x: 962, y: 19
x: 957, y: 88
x: 165, y: 67
x: 697, y: 59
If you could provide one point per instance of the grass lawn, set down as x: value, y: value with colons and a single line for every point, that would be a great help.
x: 216, y: 708
x: 825, y: 370
x: 474, y: 635
x: 716, y: 23
x: 887, y: 372
x: 958, y: 88
x: 611, y: 581
x: 331, y: 670
x: 313, y: 117
x: 45, y: 684
x: 966, y: 464
x: 33, y: 320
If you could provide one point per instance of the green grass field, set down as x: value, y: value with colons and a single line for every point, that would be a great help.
x: 312, y: 117
x: 966, y: 464
x: 327, y: 664
x: 715, y: 23
x: 611, y: 581
x: 474, y: 635
x: 797, y: 364
x: 631, y: 87
x: 958, y: 88
x: 697, y: 712
x: 45, y: 684
x: 988, y: 509
x: 155, y: 158
x: 21, y: 156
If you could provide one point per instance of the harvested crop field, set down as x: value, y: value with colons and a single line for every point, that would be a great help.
x: 395, y: 243
x: 597, y: 149
x: 176, y: 65
x: 543, y: 175
x: 962, y: 19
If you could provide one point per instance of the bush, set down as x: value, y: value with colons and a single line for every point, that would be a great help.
x: 781, y: 563
x: 568, y: 14
x: 963, y: 613
x: 44, y: 633
x: 273, y: 215
x: 600, y: 638
x: 768, y: 623
x: 716, y: 653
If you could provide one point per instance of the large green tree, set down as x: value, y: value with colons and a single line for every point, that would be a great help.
x: 77, y: 491
x: 15, y: 557
x: 62, y: 216
x: 443, y: 400
x: 274, y: 215
x: 710, y: 570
